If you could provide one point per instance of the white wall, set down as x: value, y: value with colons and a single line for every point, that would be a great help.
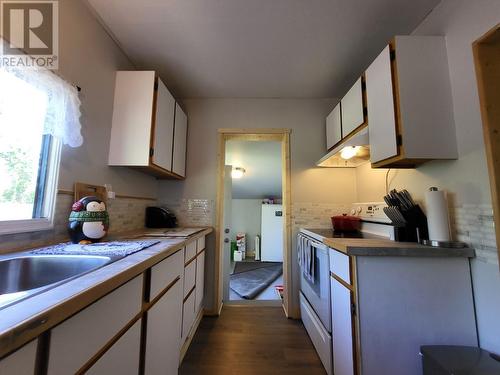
x: 462, y: 22
x: 246, y: 218
x: 306, y: 118
x: 88, y: 57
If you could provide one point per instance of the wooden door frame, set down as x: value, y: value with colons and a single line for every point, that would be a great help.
x: 280, y: 135
x: 487, y: 63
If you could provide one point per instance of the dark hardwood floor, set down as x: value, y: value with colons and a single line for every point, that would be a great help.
x: 251, y: 340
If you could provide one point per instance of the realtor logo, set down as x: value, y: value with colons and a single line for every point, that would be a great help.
x: 29, y: 30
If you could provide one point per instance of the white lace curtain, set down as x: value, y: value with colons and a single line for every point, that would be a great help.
x: 63, y: 110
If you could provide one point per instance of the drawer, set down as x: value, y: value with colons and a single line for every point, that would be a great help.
x: 319, y: 336
x: 200, y: 244
x: 190, y: 251
x: 188, y: 316
x: 123, y: 357
x: 189, y: 277
x: 163, y: 273
x: 21, y: 361
x: 340, y: 265
x: 77, y: 339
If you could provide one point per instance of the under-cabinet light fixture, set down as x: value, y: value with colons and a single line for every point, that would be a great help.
x: 237, y: 172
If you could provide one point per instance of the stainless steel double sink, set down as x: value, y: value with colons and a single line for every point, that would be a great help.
x: 24, y: 275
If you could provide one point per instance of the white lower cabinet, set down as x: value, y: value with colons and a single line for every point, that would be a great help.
x: 200, y: 281
x: 123, y: 357
x: 21, y: 362
x: 188, y: 316
x: 392, y: 306
x: 342, y: 329
x: 189, y: 277
x: 76, y: 340
x: 164, y: 333
x: 118, y: 321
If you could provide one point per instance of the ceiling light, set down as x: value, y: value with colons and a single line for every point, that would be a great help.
x: 237, y: 172
x: 349, y: 152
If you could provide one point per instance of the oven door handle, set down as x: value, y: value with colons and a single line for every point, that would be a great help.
x: 318, y: 245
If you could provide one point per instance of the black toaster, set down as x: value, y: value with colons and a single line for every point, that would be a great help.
x: 160, y: 217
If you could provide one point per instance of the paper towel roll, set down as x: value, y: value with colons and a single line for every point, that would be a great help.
x: 437, y: 215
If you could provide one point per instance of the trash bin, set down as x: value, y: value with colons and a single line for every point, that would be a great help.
x: 458, y: 360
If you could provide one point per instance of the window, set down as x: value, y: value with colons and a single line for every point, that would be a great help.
x: 29, y: 158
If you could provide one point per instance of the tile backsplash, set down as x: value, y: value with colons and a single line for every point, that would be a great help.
x: 201, y: 212
x: 125, y: 214
x: 470, y: 223
x: 316, y: 215
x: 475, y: 225
x: 193, y: 212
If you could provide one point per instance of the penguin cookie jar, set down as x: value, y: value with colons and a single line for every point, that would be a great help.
x: 88, y: 221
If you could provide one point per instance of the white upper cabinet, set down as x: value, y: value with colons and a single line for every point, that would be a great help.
x: 164, y: 128
x: 142, y: 133
x: 348, y: 117
x: 180, y: 139
x: 333, y: 127
x: 132, y: 118
x: 353, y: 109
x: 381, y: 113
x: 410, y: 111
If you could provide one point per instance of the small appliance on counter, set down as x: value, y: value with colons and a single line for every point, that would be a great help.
x: 160, y: 217
x: 410, y: 222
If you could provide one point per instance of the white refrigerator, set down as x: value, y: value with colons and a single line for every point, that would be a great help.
x: 272, y: 233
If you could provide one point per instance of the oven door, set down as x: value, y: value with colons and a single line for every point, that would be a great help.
x: 317, y: 293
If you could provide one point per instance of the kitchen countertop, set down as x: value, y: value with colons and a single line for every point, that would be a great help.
x: 27, y: 319
x: 386, y: 247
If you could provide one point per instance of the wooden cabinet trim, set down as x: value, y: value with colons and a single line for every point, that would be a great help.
x: 341, y: 281
x: 191, y: 260
x: 487, y: 66
x: 189, y: 294
x: 355, y: 322
x: 395, y: 89
x: 159, y: 172
x: 153, y: 118
x: 173, y: 137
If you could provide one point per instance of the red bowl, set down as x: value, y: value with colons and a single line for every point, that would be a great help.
x: 345, y: 223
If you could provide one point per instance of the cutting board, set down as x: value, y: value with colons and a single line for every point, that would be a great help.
x: 83, y: 190
x: 173, y: 232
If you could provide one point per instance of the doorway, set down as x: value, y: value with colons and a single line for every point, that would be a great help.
x: 253, y: 217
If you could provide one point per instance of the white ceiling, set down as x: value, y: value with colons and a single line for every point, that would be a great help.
x: 262, y: 163
x: 258, y: 48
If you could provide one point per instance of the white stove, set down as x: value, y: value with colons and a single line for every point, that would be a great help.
x: 315, y: 303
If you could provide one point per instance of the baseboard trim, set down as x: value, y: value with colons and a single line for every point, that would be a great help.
x: 257, y: 303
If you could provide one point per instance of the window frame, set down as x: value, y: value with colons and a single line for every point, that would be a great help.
x: 47, y: 208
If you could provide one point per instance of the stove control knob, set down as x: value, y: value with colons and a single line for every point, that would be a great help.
x: 353, y: 212
x: 359, y: 209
